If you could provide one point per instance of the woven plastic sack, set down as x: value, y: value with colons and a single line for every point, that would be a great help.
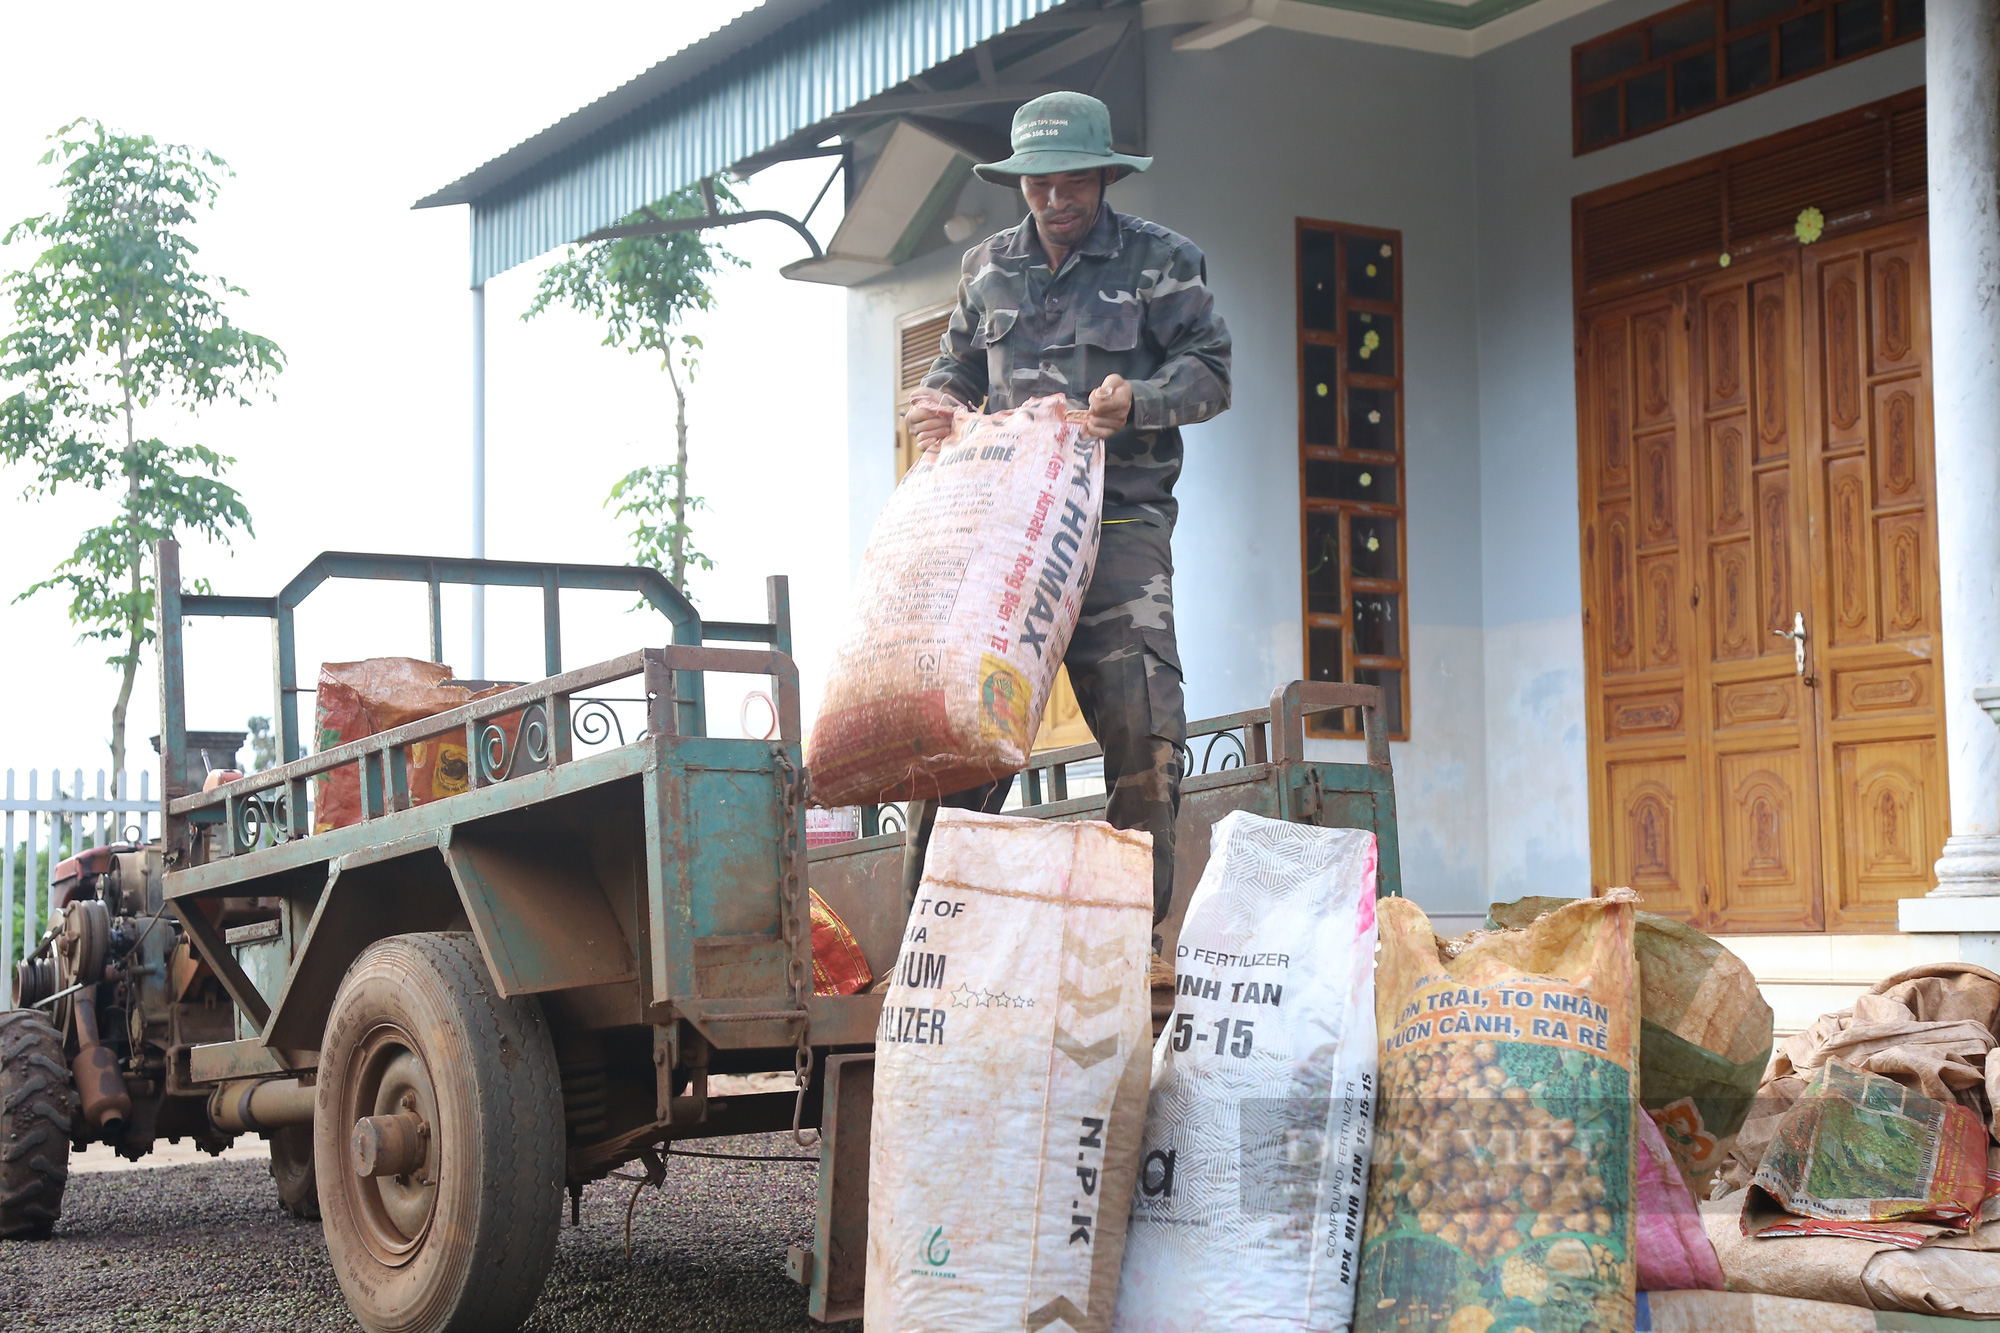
x: 964, y: 605
x: 1500, y: 1194
x: 1704, y: 1035
x: 1861, y: 1155
x: 1249, y: 1208
x: 357, y: 699
x: 1672, y: 1249
x: 1010, y: 1080
x: 839, y: 966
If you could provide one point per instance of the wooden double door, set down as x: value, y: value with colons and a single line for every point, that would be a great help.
x: 1760, y: 588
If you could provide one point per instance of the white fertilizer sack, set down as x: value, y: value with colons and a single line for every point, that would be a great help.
x: 1255, y: 1165
x: 1010, y: 1080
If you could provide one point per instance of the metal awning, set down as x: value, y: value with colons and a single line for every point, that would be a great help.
x: 768, y: 86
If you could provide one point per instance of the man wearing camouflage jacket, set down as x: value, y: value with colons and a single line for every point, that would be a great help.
x: 1081, y: 300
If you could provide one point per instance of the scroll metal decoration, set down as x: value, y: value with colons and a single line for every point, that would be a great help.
x: 262, y: 820
x: 595, y: 721
x: 1235, y: 756
x: 498, y: 753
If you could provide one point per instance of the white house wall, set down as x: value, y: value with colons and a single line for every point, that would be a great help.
x: 1470, y: 160
x: 1538, y: 803
x: 1383, y: 139
x: 1249, y: 138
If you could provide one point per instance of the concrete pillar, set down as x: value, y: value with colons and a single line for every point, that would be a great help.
x: 1962, y: 71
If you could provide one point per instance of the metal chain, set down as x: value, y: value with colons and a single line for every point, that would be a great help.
x: 795, y: 792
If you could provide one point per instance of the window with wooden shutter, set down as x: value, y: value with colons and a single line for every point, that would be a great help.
x: 919, y: 336
x: 1350, y: 340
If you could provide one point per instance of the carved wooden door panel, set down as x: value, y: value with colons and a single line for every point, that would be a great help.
x: 1757, y: 746
x: 1874, y: 646
x: 1632, y: 368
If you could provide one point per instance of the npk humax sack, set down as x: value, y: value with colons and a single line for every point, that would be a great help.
x: 1251, y: 1180
x: 1010, y: 1080
x: 964, y: 605
x: 1501, y: 1191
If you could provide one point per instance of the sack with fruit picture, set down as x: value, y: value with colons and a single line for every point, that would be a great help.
x: 1500, y: 1194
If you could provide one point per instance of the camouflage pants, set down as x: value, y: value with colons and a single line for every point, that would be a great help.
x: 1126, y: 669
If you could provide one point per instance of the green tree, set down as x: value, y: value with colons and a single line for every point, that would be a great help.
x: 263, y: 744
x: 643, y: 288
x: 657, y: 499
x: 111, y: 320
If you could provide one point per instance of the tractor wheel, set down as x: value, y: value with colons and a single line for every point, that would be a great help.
x: 292, y: 1169
x: 36, y: 1107
x: 438, y: 1140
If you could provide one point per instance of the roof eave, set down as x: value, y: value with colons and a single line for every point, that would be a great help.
x: 631, y: 97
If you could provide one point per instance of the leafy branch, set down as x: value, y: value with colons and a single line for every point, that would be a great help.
x: 112, y: 319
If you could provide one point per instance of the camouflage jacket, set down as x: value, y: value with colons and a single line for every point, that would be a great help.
x: 1132, y: 299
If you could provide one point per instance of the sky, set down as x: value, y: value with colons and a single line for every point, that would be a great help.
x: 334, y: 122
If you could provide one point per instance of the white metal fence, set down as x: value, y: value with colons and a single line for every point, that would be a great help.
x: 44, y: 824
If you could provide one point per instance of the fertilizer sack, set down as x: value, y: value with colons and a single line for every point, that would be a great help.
x: 1251, y: 1177
x: 357, y: 699
x: 1010, y: 1080
x: 1704, y: 1035
x: 965, y: 603
x: 1861, y: 1155
x: 1500, y: 1194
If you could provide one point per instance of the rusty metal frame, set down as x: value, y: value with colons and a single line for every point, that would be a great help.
x: 245, y: 832
x: 833, y: 1269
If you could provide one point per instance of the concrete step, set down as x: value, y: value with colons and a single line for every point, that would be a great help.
x: 1804, y: 976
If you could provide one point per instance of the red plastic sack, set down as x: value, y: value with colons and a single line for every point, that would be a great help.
x: 839, y: 966
x: 1669, y: 1243
x: 964, y: 605
x: 357, y: 699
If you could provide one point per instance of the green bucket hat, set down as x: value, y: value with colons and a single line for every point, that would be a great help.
x: 1060, y: 132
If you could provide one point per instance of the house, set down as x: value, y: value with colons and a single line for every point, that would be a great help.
x: 1617, y: 382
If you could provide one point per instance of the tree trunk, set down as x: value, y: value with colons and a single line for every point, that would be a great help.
x: 133, y: 626
x: 680, y: 542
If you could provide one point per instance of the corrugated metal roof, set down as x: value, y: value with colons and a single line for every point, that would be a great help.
x: 768, y: 74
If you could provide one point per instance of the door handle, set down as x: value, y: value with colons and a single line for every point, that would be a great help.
x: 1797, y: 634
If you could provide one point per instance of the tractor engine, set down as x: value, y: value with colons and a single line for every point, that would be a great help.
x: 129, y: 997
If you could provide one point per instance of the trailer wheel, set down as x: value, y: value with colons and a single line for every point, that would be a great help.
x: 292, y: 1169
x: 36, y: 1108
x: 438, y: 1140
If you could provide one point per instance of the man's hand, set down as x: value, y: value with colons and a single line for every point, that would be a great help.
x: 929, y: 417
x: 1110, y: 406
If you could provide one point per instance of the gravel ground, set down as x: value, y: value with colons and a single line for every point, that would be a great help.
x: 206, y: 1247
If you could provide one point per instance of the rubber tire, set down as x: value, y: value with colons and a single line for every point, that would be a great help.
x: 499, y: 1141
x: 37, y: 1107
x: 293, y: 1169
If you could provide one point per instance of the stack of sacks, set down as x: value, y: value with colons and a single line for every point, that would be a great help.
x: 1929, y: 1029
x: 1746, y: 1312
